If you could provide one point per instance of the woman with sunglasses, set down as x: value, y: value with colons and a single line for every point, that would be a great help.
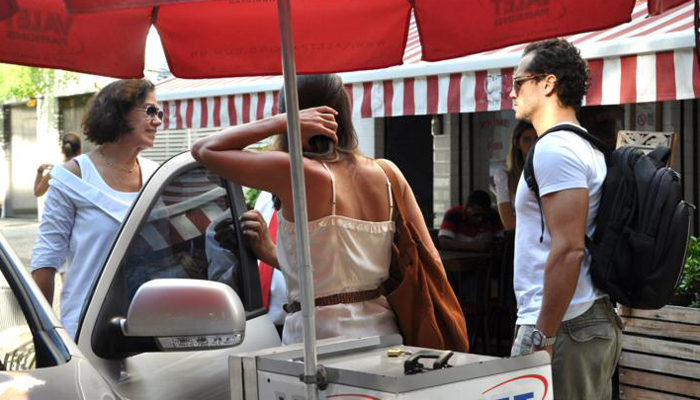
x: 89, y: 195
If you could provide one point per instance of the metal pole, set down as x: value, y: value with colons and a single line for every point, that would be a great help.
x: 301, y: 226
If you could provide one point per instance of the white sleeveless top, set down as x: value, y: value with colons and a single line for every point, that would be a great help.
x: 348, y: 255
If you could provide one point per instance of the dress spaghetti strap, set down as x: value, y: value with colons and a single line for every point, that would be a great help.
x: 332, y: 186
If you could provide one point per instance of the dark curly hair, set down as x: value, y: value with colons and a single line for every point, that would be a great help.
x: 325, y: 90
x: 105, y: 120
x: 561, y: 59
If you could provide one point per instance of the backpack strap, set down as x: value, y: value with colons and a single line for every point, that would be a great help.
x: 529, y: 169
x: 660, y: 154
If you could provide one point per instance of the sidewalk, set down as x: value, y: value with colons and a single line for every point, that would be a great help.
x: 21, y: 233
x: 11, y: 222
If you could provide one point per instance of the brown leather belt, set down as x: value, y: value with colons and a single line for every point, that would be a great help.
x: 339, y: 298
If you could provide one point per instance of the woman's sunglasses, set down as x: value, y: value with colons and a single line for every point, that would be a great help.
x: 153, y: 111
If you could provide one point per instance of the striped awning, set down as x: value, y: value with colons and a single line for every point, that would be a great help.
x: 646, y: 60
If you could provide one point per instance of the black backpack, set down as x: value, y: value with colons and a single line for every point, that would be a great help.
x: 642, y: 228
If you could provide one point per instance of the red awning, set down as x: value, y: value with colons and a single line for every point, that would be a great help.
x: 646, y: 60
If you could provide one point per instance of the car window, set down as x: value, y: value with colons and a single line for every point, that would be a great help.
x: 16, y: 340
x: 188, y: 234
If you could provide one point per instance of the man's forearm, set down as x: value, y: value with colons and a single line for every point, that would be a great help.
x: 560, y: 281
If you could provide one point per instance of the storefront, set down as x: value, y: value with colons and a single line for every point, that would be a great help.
x: 644, y: 73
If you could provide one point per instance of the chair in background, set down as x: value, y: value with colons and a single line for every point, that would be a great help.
x: 502, y: 306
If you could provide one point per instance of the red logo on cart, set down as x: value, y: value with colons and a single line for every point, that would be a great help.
x: 353, y: 396
x: 518, y: 387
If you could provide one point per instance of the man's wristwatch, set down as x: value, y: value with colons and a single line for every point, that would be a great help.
x: 540, y: 340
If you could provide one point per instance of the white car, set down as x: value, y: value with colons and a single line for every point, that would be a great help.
x: 168, y: 308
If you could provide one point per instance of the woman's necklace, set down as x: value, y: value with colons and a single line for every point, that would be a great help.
x: 111, y: 164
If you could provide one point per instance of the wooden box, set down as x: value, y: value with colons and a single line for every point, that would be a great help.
x: 660, y: 354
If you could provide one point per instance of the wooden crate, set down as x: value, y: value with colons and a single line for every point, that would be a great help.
x: 660, y: 354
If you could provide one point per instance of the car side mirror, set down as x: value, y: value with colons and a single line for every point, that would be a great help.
x: 185, y: 314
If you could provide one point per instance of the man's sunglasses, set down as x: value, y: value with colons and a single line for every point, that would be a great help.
x: 153, y: 111
x: 499, y: 83
x: 518, y: 81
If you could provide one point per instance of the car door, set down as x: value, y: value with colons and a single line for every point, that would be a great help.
x: 169, y: 233
x: 38, y: 360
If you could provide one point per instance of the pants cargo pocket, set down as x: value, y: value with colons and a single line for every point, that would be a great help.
x: 589, y: 330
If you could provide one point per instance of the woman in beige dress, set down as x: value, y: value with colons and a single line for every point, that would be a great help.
x: 350, y: 209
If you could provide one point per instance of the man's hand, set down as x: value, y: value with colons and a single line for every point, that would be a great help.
x: 550, y: 351
x: 254, y: 228
x: 225, y: 234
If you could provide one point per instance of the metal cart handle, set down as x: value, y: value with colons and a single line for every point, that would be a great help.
x: 413, y: 366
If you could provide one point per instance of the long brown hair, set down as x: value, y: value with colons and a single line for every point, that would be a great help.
x: 516, y: 159
x: 324, y: 90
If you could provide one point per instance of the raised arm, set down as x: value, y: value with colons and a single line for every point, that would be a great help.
x: 41, y: 182
x: 224, y: 153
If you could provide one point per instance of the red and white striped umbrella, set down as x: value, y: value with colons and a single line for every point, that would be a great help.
x: 241, y: 37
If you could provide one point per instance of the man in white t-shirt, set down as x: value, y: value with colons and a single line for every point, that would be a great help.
x: 559, y: 309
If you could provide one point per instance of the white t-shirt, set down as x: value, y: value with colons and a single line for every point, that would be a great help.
x: 500, y: 180
x: 563, y: 160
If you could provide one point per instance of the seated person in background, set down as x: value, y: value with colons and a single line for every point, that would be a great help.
x: 470, y: 227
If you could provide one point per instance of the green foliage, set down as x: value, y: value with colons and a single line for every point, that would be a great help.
x: 20, y: 83
x: 251, y: 195
x: 690, y: 284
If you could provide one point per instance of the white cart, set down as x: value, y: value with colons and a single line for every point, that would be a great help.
x: 362, y: 369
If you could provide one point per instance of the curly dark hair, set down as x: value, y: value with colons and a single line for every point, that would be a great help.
x: 105, y: 120
x: 562, y: 59
x: 325, y: 90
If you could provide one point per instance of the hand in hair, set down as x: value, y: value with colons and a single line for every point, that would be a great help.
x: 317, y: 121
